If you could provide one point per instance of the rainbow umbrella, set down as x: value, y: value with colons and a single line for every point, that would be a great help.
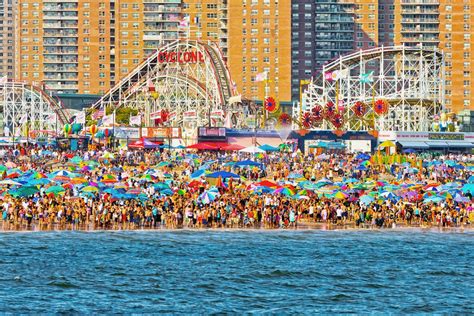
x: 284, y: 191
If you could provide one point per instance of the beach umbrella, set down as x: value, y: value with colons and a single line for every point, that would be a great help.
x: 389, y: 195
x: 468, y: 188
x: 34, y: 182
x: 166, y: 192
x: 198, y: 174
x: 433, y: 199
x: 147, y: 178
x: 23, y: 191
x: 108, y: 178
x: 91, y: 189
x: 295, y: 175
x: 55, y: 189
x: 471, y: 179
x: 76, y: 160
x: 9, y: 182
x: 362, y: 156
x: 268, y: 184
x: 366, y: 199
x: 10, y: 165
x: 387, y: 143
x: 181, y: 192
x: 208, y: 196
x: 284, y: 191
x: 3, y: 168
x: 223, y: 175
x: 163, y: 164
x: 340, y: 195
x: 248, y: 163
x: 461, y: 199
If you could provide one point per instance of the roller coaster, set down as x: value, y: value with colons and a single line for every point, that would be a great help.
x: 22, y: 104
x: 188, y: 79
x: 386, y: 88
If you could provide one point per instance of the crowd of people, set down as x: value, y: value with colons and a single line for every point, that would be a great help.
x: 45, y: 188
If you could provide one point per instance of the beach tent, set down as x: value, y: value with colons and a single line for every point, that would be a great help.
x: 252, y: 149
x: 143, y: 143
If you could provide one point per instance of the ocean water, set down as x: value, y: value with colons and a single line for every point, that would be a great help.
x: 237, y: 271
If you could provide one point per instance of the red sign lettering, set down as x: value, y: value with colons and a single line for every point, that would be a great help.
x: 180, y: 57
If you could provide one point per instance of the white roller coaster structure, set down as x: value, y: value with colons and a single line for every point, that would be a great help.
x: 409, y: 80
x: 26, y: 105
x: 165, y: 81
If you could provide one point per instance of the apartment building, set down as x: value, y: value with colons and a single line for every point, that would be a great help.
x: 259, y: 40
x: 7, y: 37
x: 73, y: 46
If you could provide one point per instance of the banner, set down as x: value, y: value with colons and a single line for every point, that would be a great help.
x: 261, y: 77
x: 189, y: 116
x: 108, y: 120
x: 158, y: 132
x: 136, y: 120
x: 155, y: 115
x: 219, y: 114
x: 81, y: 118
x: 23, y: 118
x: 367, y: 78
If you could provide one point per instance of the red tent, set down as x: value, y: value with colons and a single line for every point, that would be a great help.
x: 232, y: 147
x: 201, y: 146
x: 143, y: 143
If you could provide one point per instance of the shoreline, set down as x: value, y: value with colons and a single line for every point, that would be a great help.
x: 301, y: 227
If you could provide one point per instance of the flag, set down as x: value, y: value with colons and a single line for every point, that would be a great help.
x: 136, y: 120
x: 261, y: 77
x: 98, y: 114
x: 81, y: 118
x: 367, y: 78
x: 228, y: 120
x: 135, y: 88
x: 51, y: 117
x: 184, y: 22
x: 151, y: 85
x: 304, y: 82
x: 24, y: 118
x: 3, y: 79
x: 108, y: 119
x: 336, y: 75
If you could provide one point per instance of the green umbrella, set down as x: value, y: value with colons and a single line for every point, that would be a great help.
x: 3, y: 168
x: 23, y: 191
x: 76, y: 160
x: 55, y: 189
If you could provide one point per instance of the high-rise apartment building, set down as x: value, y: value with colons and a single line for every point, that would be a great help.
x: 456, y: 37
x: 324, y: 29
x: 259, y: 40
x: 74, y: 46
x: 7, y: 37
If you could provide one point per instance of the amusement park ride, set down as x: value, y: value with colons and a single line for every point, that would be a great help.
x: 187, y: 84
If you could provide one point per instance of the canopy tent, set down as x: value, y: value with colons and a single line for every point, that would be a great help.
x: 267, y: 147
x: 143, y: 143
x: 252, y: 149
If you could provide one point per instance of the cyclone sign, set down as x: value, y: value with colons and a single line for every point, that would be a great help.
x: 180, y: 57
